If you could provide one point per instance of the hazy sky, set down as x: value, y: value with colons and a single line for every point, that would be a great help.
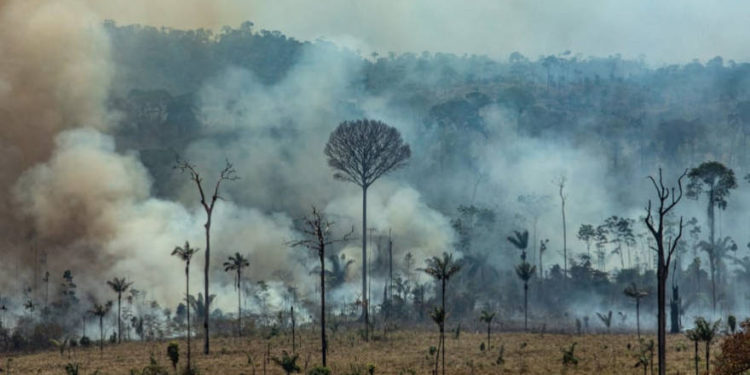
x: 665, y: 31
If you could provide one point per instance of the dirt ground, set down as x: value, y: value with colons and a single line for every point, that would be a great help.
x: 404, y: 352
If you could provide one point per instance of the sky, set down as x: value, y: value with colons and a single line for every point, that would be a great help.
x: 665, y: 32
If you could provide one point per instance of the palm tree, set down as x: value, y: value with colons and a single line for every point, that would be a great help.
x: 442, y: 269
x: 715, y: 181
x: 632, y: 291
x: 706, y: 332
x: 100, y: 311
x: 487, y: 318
x: 186, y: 254
x: 199, y: 304
x: 119, y: 286
x: 525, y: 272
x: 521, y: 241
x: 336, y: 276
x: 606, y: 319
x: 237, y: 263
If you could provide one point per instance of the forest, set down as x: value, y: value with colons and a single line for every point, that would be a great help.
x: 323, y: 192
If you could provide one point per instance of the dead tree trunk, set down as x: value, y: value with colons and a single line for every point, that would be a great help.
x: 317, y: 231
x: 668, y: 199
x: 228, y: 173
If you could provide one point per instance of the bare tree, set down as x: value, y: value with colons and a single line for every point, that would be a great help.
x: 186, y: 254
x: 208, y: 203
x: 317, y: 236
x: 668, y: 199
x: 362, y: 151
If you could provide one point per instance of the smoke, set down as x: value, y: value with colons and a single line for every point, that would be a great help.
x: 665, y: 32
x: 90, y: 205
x: 54, y: 76
x: 278, y: 134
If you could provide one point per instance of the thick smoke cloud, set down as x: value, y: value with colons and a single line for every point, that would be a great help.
x: 278, y: 133
x: 54, y: 76
x: 90, y: 206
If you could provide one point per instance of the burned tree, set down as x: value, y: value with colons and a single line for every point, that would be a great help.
x: 563, y: 197
x: 317, y: 236
x: 228, y: 173
x: 362, y: 151
x: 668, y: 199
x: 186, y: 254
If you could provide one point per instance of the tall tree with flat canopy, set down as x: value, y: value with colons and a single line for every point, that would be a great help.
x: 317, y: 237
x: 668, y: 199
x: 208, y: 203
x: 360, y: 152
x: 716, y: 181
x: 119, y: 286
x: 236, y: 263
x: 186, y: 254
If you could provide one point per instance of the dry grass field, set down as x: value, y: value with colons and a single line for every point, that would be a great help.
x: 402, y: 353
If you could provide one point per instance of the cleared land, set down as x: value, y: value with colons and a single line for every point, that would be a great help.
x: 402, y: 353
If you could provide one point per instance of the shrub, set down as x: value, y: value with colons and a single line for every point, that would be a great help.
x: 569, y: 357
x: 153, y: 368
x: 72, y: 368
x: 173, y: 352
x: 735, y: 352
x: 287, y: 362
x: 500, y: 356
x: 319, y: 370
x: 85, y: 341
